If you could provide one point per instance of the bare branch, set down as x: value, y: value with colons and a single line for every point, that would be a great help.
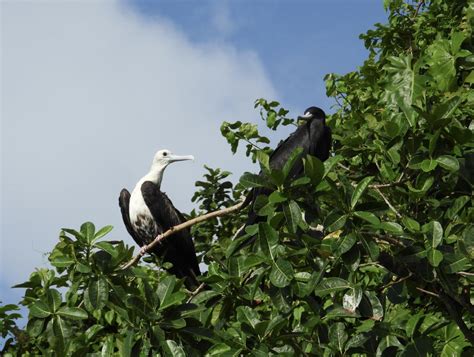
x: 427, y: 292
x: 395, y: 282
x: 180, y: 227
x: 195, y: 292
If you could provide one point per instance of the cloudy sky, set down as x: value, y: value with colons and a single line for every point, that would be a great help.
x: 91, y: 89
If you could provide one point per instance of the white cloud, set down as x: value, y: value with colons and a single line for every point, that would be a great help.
x: 89, y: 93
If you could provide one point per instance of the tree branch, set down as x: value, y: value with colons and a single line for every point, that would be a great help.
x: 195, y: 292
x: 388, y: 202
x: 180, y: 227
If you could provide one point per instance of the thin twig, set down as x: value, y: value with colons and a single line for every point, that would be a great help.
x: 427, y: 292
x: 465, y: 273
x: 388, y: 203
x: 180, y: 227
x: 420, y: 3
x: 195, y: 292
x: 395, y: 282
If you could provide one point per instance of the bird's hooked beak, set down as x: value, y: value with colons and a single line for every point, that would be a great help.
x: 305, y: 116
x: 174, y: 158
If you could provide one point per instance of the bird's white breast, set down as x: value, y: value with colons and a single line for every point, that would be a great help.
x: 140, y: 215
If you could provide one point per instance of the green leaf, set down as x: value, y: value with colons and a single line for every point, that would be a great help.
x: 264, y: 160
x: 428, y: 165
x: 456, y: 206
x: 437, y: 234
x: 411, y: 224
x: 248, y: 316
x: 294, y: 156
x: 54, y: 299
x: 352, y: 298
x: 391, y: 227
x: 92, y: 331
x: 338, y: 336
x: 74, y: 313
x: 88, y: 230
x: 102, y: 232
x: 359, y: 190
x: 330, y: 285
x: 293, y: 216
x: 377, y: 308
x: 386, y: 342
x: 108, y: 347
x: 434, y: 257
x: 276, y: 197
x: 96, y: 294
x: 249, y: 180
x: 39, y: 309
x: 343, y: 243
x: 412, y: 324
x: 448, y: 162
x: 314, y: 169
x: 368, y: 216
x: 61, y: 261
x: 172, y: 349
x: 282, y: 273
x: 109, y: 248
x: 166, y: 293
x: 268, y: 238
x: 61, y: 331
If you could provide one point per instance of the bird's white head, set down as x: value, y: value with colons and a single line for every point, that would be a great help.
x: 160, y: 161
x: 165, y: 157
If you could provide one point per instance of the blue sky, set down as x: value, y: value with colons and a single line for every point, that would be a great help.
x: 91, y: 90
x: 298, y: 41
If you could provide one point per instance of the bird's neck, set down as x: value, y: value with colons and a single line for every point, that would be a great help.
x: 155, y: 175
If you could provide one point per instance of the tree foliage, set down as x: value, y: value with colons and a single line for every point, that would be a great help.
x: 391, y: 273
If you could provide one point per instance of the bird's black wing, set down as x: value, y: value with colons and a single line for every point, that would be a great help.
x: 179, y: 248
x: 322, y: 138
x: 124, y: 203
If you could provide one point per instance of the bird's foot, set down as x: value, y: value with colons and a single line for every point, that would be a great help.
x: 142, y: 251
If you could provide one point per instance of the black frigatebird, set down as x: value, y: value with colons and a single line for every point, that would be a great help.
x: 313, y: 136
x: 148, y: 212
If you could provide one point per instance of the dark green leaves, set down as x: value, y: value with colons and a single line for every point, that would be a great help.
x: 359, y: 190
x: 282, y: 273
x: 96, y: 294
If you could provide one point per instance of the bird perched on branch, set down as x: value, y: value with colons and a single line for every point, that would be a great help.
x: 148, y: 212
x: 312, y: 136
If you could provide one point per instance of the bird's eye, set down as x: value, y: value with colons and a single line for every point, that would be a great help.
x: 165, y: 153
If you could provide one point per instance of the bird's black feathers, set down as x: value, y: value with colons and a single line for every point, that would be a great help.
x: 313, y: 136
x: 124, y: 203
x: 177, y: 249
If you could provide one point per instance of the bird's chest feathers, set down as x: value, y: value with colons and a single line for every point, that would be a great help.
x: 141, y: 217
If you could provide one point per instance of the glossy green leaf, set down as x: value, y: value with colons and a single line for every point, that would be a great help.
x: 313, y: 168
x: 352, y: 298
x: 249, y: 180
x: 428, y: 165
x: 282, y: 273
x: 448, y: 162
x: 293, y: 215
x: 40, y: 310
x: 434, y: 256
x: 102, y: 232
x: 338, y: 336
x: 268, y: 238
x: 96, y: 294
x: 368, y: 217
x: 344, y: 243
x: 359, y: 190
x: 74, y: 313
x: 330, y: 285
x: 88, y: 231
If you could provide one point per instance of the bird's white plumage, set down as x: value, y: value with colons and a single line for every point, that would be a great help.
x: 141, y: 217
